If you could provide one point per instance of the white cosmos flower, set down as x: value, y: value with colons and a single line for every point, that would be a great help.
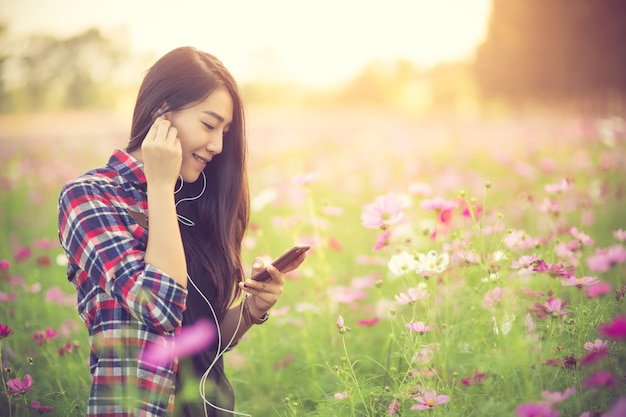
x: 402, y: 263
x: 432, y: 263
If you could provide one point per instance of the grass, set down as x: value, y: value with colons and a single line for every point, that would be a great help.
x: 300, y: 363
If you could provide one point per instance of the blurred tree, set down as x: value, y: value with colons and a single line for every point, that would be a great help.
x: 71, y: 72
x: 553, y: 49
x: 4, y: 100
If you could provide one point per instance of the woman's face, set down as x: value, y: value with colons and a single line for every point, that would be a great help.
x: 201, y: 129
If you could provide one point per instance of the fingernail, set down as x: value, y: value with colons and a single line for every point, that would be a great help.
x: 256, y: 265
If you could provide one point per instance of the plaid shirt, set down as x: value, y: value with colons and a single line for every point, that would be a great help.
x: 125, y: 303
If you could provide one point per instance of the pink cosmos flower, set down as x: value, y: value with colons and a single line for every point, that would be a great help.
x: 429, y: 400
x: 418, y: 327
x: 580, y: 282
x: 4, y: 265
x: 620, y: 235
x: 368, y: 322
x: 559, y: 187
x: 439, y: 204
x: 600, y: 379
x: 616, y: 329
x: 596, y: 345
x: 492, y: 298
x: 557, y: 397
x: 605, y: 259
x: 382, y: 240
x: 593, y: 357
x: 618, y: 410
x: 19, y: 387
x: 341, y: 325
x: 419, y: 188
x: 599, y: 289
x: 22, y: 253
x: 553, y: 307
x: 412, y: 295
x: 474, y: 379
x: 582, y: 237
x: 383, y: 212
x: 536, y: 410
x: 192, y: 339
x: 526, y: 261
x: 392, y: 410
x: 426, y: 353
x: 5, y: 331
x: 559, y: 270
x: 42, y: 336
x: 305, y: 179
x: 35, y: 405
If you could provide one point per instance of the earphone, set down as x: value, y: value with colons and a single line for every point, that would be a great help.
x: 220, y: 351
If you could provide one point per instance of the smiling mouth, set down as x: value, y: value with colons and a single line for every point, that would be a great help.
x: 201, y: 159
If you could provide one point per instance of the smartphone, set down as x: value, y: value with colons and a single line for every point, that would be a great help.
x: 282, y: 261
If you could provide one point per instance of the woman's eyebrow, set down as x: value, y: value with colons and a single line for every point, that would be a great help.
x: 212, y: 113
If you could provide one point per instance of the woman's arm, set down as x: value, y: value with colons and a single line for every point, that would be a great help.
x: 161, y: 154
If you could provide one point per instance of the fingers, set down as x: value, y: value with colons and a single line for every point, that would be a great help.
x: 162, y: 152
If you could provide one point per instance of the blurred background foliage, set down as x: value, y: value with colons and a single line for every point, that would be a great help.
x: 537, y: 52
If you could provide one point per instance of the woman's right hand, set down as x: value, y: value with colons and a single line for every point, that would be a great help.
x: 162, y: 153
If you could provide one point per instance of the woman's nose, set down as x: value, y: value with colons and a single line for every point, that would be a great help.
x: 215, y: 144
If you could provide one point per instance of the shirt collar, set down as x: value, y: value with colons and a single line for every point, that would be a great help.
x: 128, y: 166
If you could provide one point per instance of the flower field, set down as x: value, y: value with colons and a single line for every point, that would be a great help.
x: 457, y: 267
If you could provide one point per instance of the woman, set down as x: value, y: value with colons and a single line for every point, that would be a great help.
x: 169, y: 210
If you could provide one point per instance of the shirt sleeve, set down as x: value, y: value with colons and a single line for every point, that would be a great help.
x: 96, y: 237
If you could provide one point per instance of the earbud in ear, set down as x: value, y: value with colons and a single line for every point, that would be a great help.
x: 159, y: 112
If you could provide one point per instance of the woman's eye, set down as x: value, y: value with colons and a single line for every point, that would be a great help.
x: 209, y: 127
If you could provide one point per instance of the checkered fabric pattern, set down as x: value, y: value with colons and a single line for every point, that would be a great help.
x: 125, y: 303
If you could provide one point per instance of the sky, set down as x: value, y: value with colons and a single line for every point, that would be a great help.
x: 321, y: 42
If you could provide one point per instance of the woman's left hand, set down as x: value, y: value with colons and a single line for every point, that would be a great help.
x: 265, y: 294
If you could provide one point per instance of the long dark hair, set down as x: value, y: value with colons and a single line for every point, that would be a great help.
x: 181, y: 79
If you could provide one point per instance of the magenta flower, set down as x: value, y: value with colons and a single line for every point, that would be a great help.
x: 22, y: 253
x: 474, y: 379
x: 429, y: 400
x: 580, y: 282
x: 40, y: 337
x: 618, y: 410
x: 368, y: 322
x: 557, y: 397
x: 383, y: 212
x: 191, y: 340
x: 600, y: 379
x: 555, y: 270
x: 35, y: 405
x: 597, y: 350
x: 4, y: 265
x: 597, y: 290
x: 418, y: 327
x: 616, y: 329
x: 19, y: 387
x: 382, y: 240
x: 5, y: 331
x: 536, y: 410
x: 392, y: 410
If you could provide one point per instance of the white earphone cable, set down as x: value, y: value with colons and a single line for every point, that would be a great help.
x: 219, y: 352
